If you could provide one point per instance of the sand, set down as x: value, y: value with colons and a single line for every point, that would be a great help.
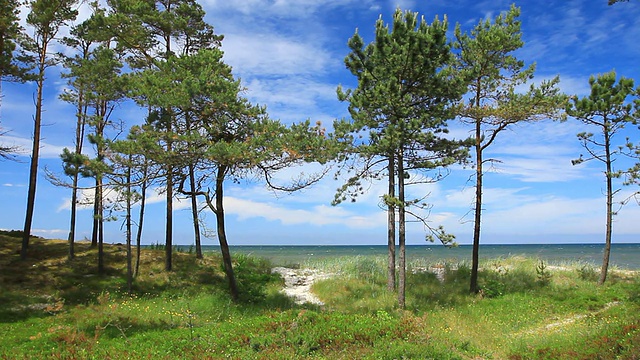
x: 297, y: 284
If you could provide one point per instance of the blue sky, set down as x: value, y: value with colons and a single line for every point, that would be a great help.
x: 289, y: 55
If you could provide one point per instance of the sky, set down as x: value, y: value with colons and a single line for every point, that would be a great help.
x: 289, y: 55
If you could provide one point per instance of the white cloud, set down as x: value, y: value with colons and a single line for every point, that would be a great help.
x: 285, y: 9
x: 24, y: 146
x: 155, y: 195
x: 269, y: 54
x: 401, y: 4
x: 316, y: 215
x: 49, y: 233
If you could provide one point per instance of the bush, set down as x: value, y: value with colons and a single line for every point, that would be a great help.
x: 253, y: 275
x: 544, y: 277
x: 587, y: 272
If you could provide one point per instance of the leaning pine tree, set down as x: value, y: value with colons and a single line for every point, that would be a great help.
x: 221, y: 136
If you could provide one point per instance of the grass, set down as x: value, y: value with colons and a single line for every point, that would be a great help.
x: 55, y: 308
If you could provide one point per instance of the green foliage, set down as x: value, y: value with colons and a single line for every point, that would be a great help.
x: 494, y: 76
x: 493, y: 287
x: 13, y: 66
x: 399, y: 113
x: 543, y: 274
x: 587, y: 272
x: 608, y: 109
x: 254, y: 277
x: 402, y: 101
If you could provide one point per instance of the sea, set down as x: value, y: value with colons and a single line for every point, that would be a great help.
x: 623, y: 256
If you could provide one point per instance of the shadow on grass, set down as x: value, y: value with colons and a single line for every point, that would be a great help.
x: 47, y: 278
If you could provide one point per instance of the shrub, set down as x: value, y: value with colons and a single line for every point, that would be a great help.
x: 253, y: 275
x: 587, y: 272
x: 544, y: 277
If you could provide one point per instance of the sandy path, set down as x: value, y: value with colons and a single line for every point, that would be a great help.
x: 297, y: 283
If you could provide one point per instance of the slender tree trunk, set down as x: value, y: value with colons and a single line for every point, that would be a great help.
x: 35, y: 156
x: 402, y: 266
x: 100, y: 228
x: 143, y: 194
x: 128, y: 225
x: 609, y: 228
x: 222, y: 236
x: 475, y: 257
x: 168, y: 265
x: 80, y: 125
x: 194, y: 212
x: 72, y: 222
x: 101, y: 112
x: 391, y: 229
x: 96, y: 216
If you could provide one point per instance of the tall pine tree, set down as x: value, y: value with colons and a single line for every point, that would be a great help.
x: 400, y: 109
x: 493, y: 74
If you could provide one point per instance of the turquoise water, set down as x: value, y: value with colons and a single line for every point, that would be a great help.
x: 624, y: 256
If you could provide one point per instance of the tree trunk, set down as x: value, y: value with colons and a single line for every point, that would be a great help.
x: 80, y: 126
x: 128, y: 225
x: 35, y: 156
x: 222, y: 236
x: 391, y: 229
x: 72, y: 223
x: 100, y: 229
x: 168, y: 265
x: 96, y: 214
x: 194, y: 212
x: 475, y: 257
x: 143, y: 194
x: 609, y: 228
x: 402, y: 268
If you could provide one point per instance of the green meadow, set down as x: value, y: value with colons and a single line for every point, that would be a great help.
x: 53, y: 308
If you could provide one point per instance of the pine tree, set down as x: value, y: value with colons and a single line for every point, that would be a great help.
x: 46, y: 17
x: 493, y: 74
x: 607, y: 109
x: 400, y: 109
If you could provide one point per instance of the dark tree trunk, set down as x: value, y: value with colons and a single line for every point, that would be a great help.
x: 96, y: 216
x: 81, y: 110
x: 100, y: 227
x: 222, y: 236
x: 402, y: 266
x: 35, y: 156
x: 72, y: 222
x: 143, y: 195
x: 128, y: 226
x: 391, y: 229
x: 609, y: 228
x: 168, y: 265
x: 194, y: 212
x: 475, y: 257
